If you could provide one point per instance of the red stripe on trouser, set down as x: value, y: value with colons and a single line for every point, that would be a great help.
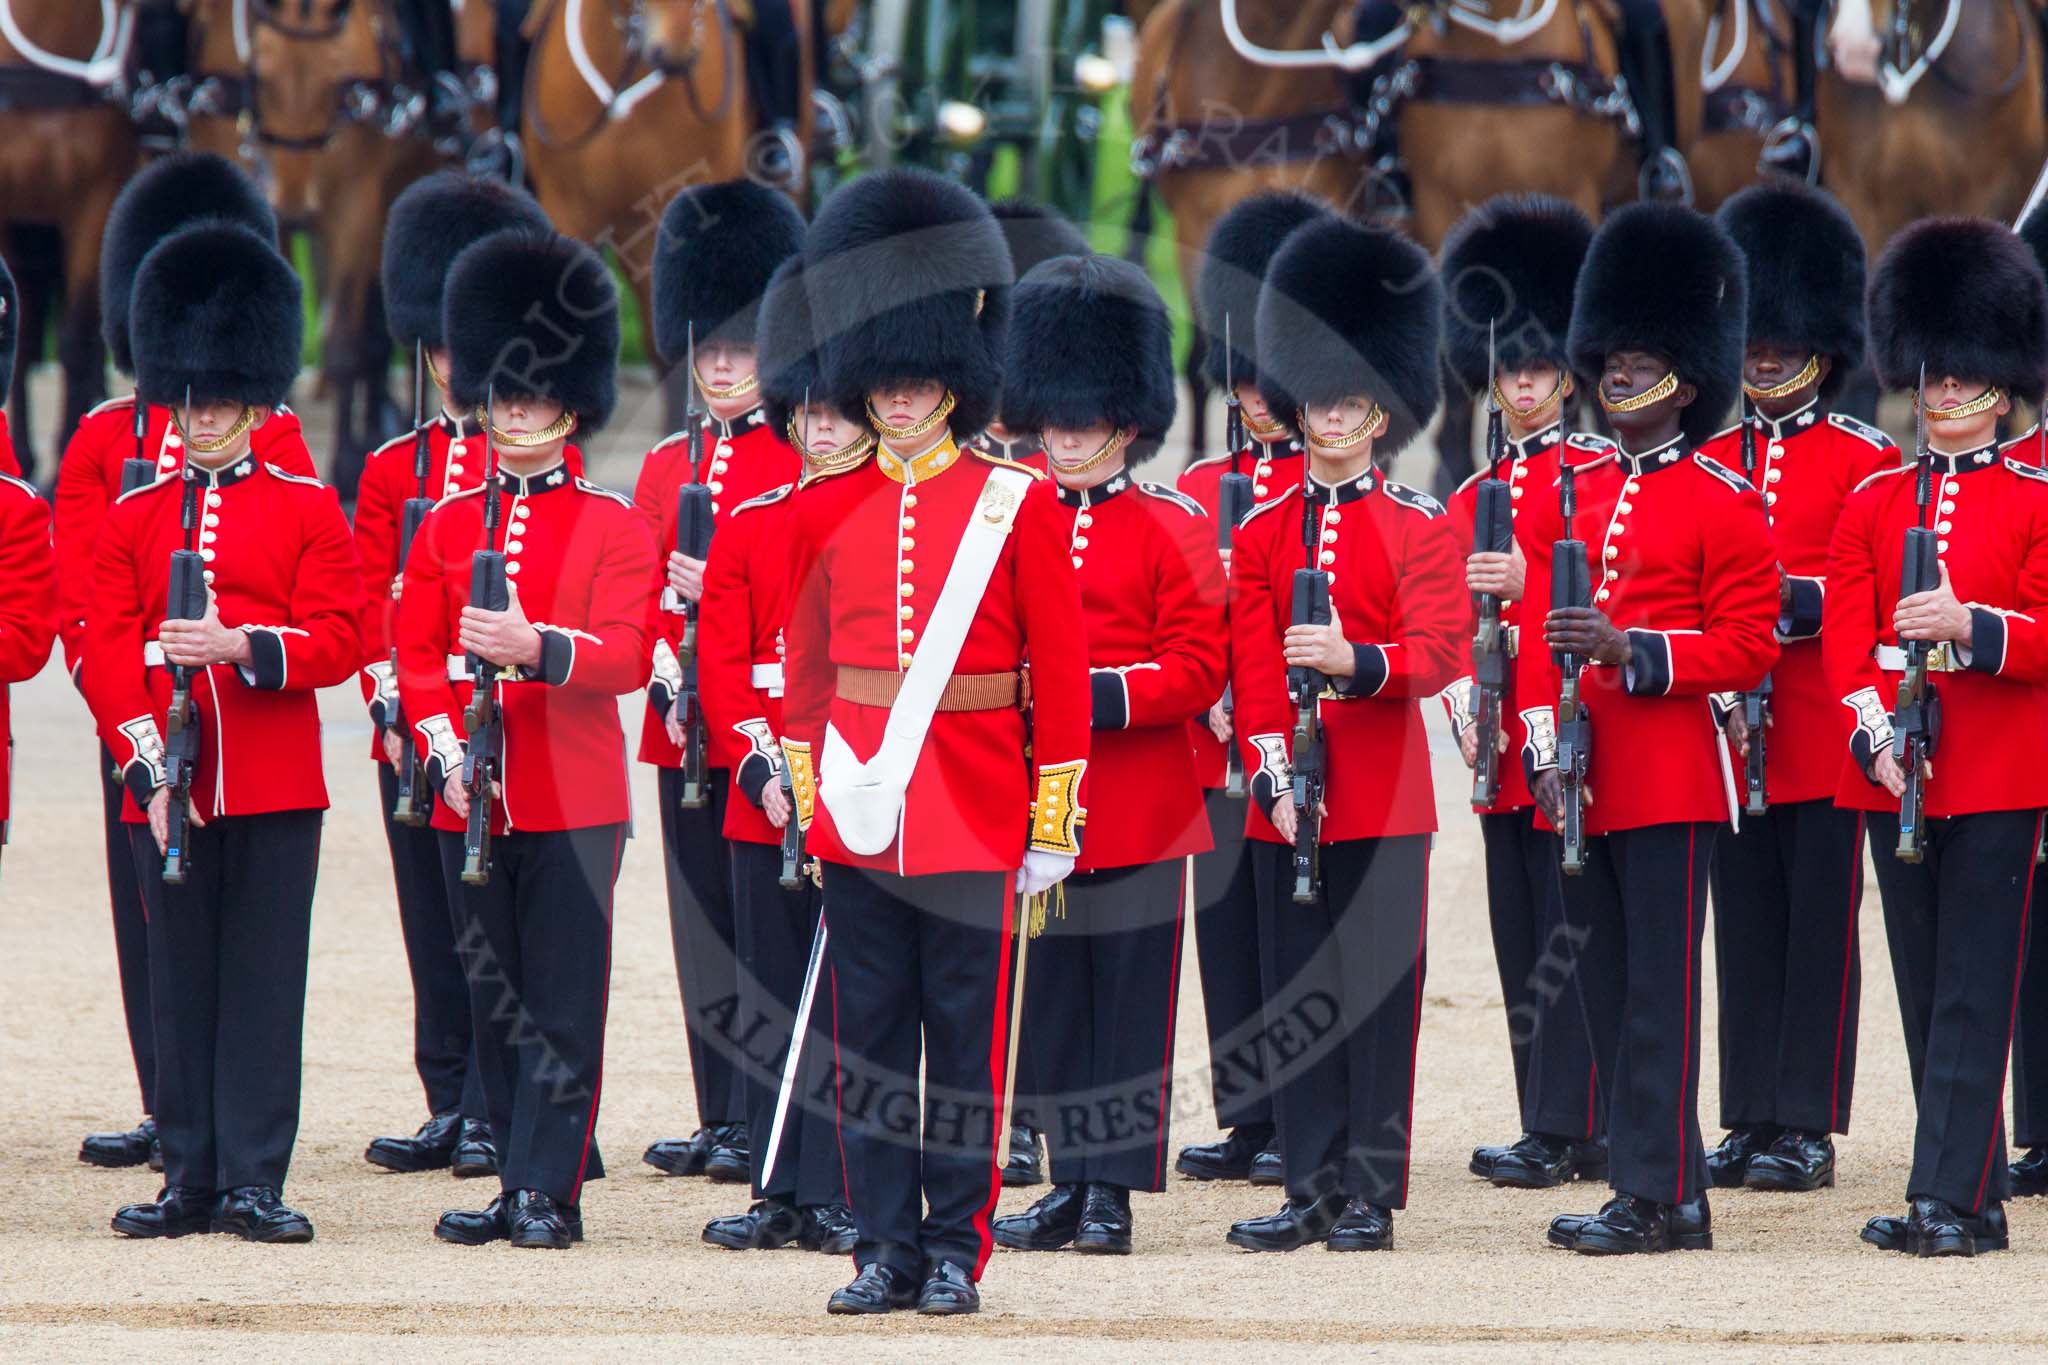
x: 1848, y: 957
x: 1180, y: 910
x: 1415, y: 1028
x: 998, y: 1071
x: 1685, y: 1003
x: 590, y: 1120
x: 2019, y: 961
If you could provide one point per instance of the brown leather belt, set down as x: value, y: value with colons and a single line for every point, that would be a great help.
x: 964, y: 691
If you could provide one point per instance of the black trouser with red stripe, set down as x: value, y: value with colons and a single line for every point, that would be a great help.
x: 1227, y: 952
x: 131, y: 932
x: 441, y: 1033
x: 1536, y: 952
x: 1957, y: 925
x: 775, y: 928
x: 698, y: 861
x: 1342, y: 1011
x: 536, y: 945
x: 1786, y: 890
x: 1640, y: 908
x: 2030, y: 1032
x: 227, y: 966
x: 920, y: 959
x: 1098, y: 1004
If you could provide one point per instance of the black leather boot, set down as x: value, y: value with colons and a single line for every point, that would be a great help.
x: 1796, y: 1162
x: 430, y: 1149
x: 1728, y: 1163
x: 1228, y: 1159
x: 175, y: 1212
x: 769, y: 1224
x: 1298, y: 1223
x: 1363, y: 1226
x: 1105, y: 1221
x: 1047, y: 1225
x: 127, y: 1148
x: 258, y: 1213
x: 1645, y: 52
x: 1026, y: 1165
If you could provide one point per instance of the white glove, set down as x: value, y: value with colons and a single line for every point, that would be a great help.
x: 1042, y: 871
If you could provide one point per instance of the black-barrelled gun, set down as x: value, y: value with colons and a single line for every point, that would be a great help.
x: 792, y: 875
x: 1311, y: 608
x: 693, y: 538
x: 1234, y: 497
x: 483, y: 721
x: 187, y: 602
x: 138, y: 470
x: 1916, y: 715
x: 1571, y: 585
x: 1756, y: 703
x: 1493, y: 532
x: 414, y: 799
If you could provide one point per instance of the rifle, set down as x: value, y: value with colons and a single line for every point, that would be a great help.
x: 1916, y: 716
x: 1571, y: 585
x: 1233, y: 501
x: 1493, y: 532
x: 187, y: 602
x: 792, y: 875
x: 1311, y: 608
x: 138, y: 469
x: 693, y: 538
x: 483, y: 720
x: 1756, y: 703
x: 410, y: 808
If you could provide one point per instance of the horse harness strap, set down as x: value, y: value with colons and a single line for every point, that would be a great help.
x: 29, y: 89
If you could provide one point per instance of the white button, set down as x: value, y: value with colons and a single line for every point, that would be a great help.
x: 1332, y: 576
x: 207, y: 575
x: 1773, y: 475
x: 1329, y: 557
x: 1333, y: 516
x: 721, y: 450
x: 513, y: 567
x: 1624, y: 508
x: 1085, y: 520
x: 714, y: 508
x: 905, y: 612
x: 907, y: 543
x: 903, y: 660
x: 1258, y: 490
x: 1631, y: 487
x: 514, y: 546
x: 1329, y: 537
x: 213, y: 499
x: 206, y: 555
x: 1080, y: 542
x: 907, y: 566
x: 1774, y: 448
x: 168, y: 462
x: 1600, y: 596
x: 1613, y: 552
x: 455, y: 449
x: 212, y: 519
x: 1077, y: 561
x: 907, y: 589
x: 206, y: 537
x: 1947, y: 505
x: 455, y: 471
x: 1518, y: 471
x: 1613, y: 574
x: 1941, y: 546
x: 1951, y: 488
x: 173, y: 440
x: 1770, y: 499
x: 910, y: 500
x: 1515, y: 492
x: 1942, y: 527
x: 716, y: 486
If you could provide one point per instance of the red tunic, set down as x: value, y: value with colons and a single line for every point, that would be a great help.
x: 580, y: 560
x: 1807, y: 464
x: 281, y: 567
x: 28, y: 602
x: 9, y: 465
x: 455, y: 461
x: 1531, y: 464
x: 871, y: 550
x: 1153, y: 594
x: 747, y: 459
x: 89, y: 479
x: 1271, y: 466
x: 1682, y: 563
x: 1397, y: 591
x: 1992, y: 518
x: 739, y: 663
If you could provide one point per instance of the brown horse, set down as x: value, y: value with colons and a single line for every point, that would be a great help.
x: 1967, y: 135
x: 64, y: 152
x: 218, y: 41
x: 322, y: 74
x: 1746, y: 80
x: 668, y: 108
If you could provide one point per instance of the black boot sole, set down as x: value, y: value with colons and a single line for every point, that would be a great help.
x: 667, y: 1165
x: 1249, y: 1243
x: 1199, y: 1170
x: 1774, y: 1182
x: 112, y: 1161
x: 409, y: 1164
x: 149, y: 1231
x: 471, y: 1170
x: 1102, y: 1244
x: 1339, y: 1241
x: 1594, y: 1243
x: 731, y: 1243
x: 1017, y: 1180
x: 1017, y: 1243
x: 1267, y: 1181
x: 726, y: 1172
x: 286, y: 1237
x: 1512, y: 1176
x: 463, y: 1239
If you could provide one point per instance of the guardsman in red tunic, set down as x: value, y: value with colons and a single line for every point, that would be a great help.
x: 1787, y: 883
x: 531, y: 322
x: 28, y: 578
x: 1034, y: 233
x: 1684, y: 589
x: 1508, y: 268
x: 215, y: 329
x: 1227, y: 943
x: 165, y: 195
x: 933, y: 599
x: 428, y: 226
x: 801, y: 1198
x: 718, y: 246
x: 1090, y: 366
x: 1348, y: 325
x: 1963, y: 299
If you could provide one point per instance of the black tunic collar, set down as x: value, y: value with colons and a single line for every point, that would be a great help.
x: 1650, y: 461
x: 1100, y: 493
x: 555, y: 476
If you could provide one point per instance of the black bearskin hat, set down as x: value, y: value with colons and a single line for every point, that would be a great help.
x: 533, y: 315
x: 1510, y: 265
x: 1806, y: 271
x: 1035, y: 234
x: 1090, y: 342
x: 1240, y: 247
x: 10, y: 327
x: 164, y: 196
x: 1964, y: 295
x: 786, y: 354
x: 1350, y: 310
x: 217, y: 312
x: 429, y: 224
x: 1668, y: 279
x: 717, y: 247
x: 909, y: 278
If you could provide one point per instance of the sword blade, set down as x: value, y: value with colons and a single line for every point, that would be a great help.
x: 1016, y: 1022
x: 792, y: 1060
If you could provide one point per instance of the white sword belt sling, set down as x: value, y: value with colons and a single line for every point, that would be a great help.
x: 866, y: 799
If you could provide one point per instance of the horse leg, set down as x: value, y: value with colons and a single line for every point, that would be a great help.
x: 1454, y: 438
x: 1198, y: 393
x: 79, y: 348
x: 35, y: 275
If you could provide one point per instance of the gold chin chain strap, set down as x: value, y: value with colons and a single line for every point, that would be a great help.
x: 433, y: 371
x: 846, y: 457
x: 1807, y: 374
x: 1351, y: 437
x: 718, y: 395
x: 915, y: 429
x: 1656, y: 393
x: 222, y: 442
x: 553, y: 431
x: 1962, y: 412
x: 1543, y: 408
x: 1262, y: 431
x: 1118, y: 439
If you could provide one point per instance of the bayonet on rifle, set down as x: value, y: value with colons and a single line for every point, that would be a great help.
x: 1492, y: 533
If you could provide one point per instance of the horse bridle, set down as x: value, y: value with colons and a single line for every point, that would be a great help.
x: 633, y: 30
x: 358, y: 97
x: 1902, y: 41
